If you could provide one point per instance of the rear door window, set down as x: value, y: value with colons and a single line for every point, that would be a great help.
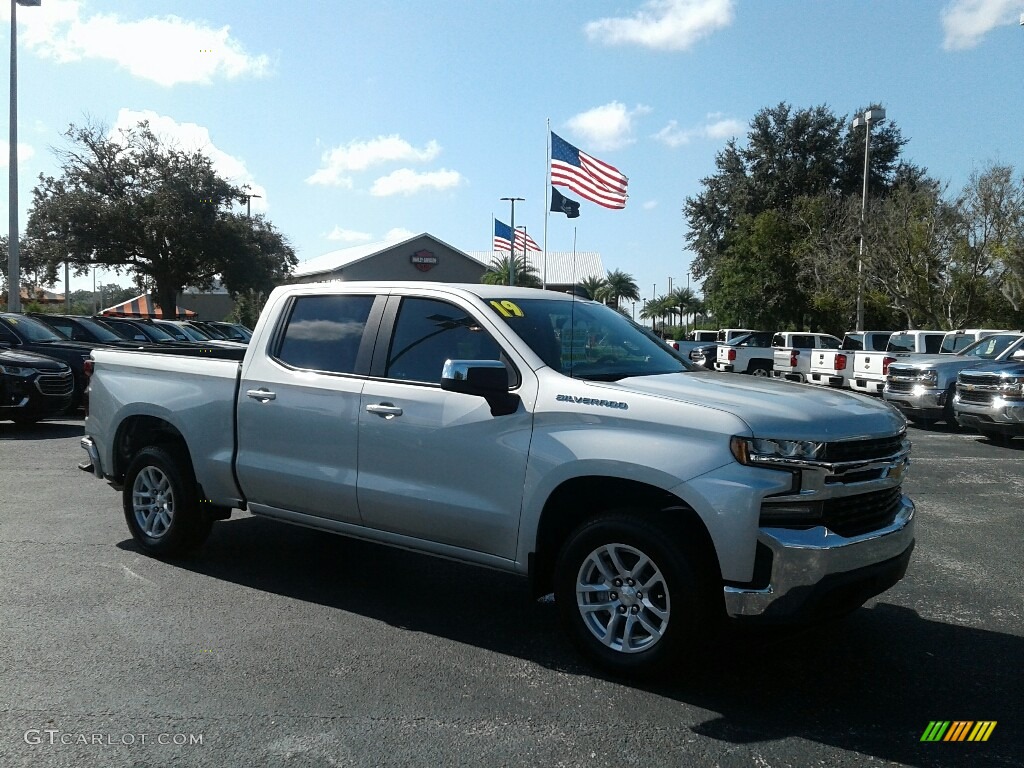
x: 323, y: 333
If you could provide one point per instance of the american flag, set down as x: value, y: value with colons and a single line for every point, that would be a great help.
x: 587, y: 176
x: 524, y: 241
x: 502, y: 236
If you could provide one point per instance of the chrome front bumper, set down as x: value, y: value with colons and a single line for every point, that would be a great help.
x: 1005, y: 415
x: 94, y: 464
x: 816, y: 572
x: 928, y: 403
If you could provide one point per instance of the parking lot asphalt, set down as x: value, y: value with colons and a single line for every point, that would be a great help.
x: 277, y: 645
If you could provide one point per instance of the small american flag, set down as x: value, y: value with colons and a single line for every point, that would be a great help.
x: 524, y: 242
x: 502, y: 236
x: 587, y: 176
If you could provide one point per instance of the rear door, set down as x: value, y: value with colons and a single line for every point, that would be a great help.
x: 436, y: 465
x: 298, y: 407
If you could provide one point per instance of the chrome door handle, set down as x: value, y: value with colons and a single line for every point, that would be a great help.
x: 385, y: 410
x: 263, y: 395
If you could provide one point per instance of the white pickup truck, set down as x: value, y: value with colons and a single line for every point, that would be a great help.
x: 523, y: 430
x: 870, y: 368
x: 747, y: 353
x: 834, y: 367
x: 794, y: 353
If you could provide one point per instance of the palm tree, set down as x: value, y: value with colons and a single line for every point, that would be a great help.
x: 656, y: 309
x: 684, y: 301
x: 596, y: 287
x: 621, y: 285
x: 498, y: 273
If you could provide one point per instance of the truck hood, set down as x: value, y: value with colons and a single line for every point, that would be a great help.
x: 31, y: 360
x: 776, y: 408
x: 913, y: 363
x: 1006, y: 368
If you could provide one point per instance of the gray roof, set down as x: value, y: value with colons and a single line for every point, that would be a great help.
x: 346, y: 257
x: 563, y: 267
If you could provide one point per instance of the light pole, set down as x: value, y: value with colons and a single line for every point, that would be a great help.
x: 512, y: 245
x: 248, y: 202
x: 869, y: 118
x: 13, y: 230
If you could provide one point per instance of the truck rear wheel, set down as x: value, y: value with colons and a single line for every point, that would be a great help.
x: 631, y: 596
x: 759, y: 369
x: 161, y: 503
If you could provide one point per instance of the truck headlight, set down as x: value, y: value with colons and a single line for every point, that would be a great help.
x: 930, y: 378
x: 18, y: 370
x: 754, y: 450
x: 1012, y: 388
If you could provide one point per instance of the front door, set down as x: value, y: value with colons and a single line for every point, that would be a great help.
x: 436, y: 465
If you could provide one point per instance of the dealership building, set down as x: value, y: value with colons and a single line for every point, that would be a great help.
x: 425, y: 257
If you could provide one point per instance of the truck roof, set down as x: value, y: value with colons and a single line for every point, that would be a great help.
x: 480, y: 290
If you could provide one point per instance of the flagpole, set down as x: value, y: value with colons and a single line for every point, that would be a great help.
x: 547, y: 205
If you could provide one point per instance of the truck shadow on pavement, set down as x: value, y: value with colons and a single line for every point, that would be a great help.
x: 43, y: 430
x: 870, y: 683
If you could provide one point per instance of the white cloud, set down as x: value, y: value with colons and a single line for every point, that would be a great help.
x: 189, y: 137
x: 167, y: 50
x: 25, y: 151
x: 398, y: 234
x: 966, y: 22
x: 671, y: 25
x: 360, y: 155
x: 724, y: 129
x: 349, y: 235
x: 606, y: 127
x: 406, y: 181
x: 673, y: 135
x: 715, y: 127
x: 650, y: 205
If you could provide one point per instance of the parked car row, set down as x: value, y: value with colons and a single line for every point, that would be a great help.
x: 43, y: 356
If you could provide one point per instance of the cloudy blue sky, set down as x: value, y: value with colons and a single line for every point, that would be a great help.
x: 366, y: 121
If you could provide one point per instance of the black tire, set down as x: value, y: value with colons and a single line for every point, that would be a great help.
x: 995, y: 436
x: 669, y: 622
x: 761, y: 370
x: 948, y: 414
x: 25, y: 421
x: 161, y: 503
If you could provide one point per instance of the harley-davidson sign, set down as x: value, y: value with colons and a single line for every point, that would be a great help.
x: 424, y: 261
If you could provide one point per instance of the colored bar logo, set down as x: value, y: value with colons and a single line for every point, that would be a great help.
x: 958, y: 730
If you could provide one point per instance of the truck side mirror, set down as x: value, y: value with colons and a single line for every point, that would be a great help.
x: 482, y: 378
x: 1018, y: 355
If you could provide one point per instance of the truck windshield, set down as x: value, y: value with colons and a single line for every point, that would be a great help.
x: 31, y: 330
x: 991, y: 347
x: 587, y: 340
x: 100, y: 331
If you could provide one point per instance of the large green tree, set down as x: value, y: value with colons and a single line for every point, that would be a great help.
x: 743, y: 226
x: 131, y: 201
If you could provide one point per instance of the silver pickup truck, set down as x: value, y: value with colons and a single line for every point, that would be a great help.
x: 923, y: 386
x: 990, y: 398
x: 527, y: 431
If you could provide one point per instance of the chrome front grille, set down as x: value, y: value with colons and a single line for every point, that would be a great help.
x: 978, y: 398
x: 984, y: 379
x: 56, y: 384
x: 900, y: 385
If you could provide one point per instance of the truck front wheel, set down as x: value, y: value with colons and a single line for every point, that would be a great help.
x: 631, y: 596
x: 161, y: 503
